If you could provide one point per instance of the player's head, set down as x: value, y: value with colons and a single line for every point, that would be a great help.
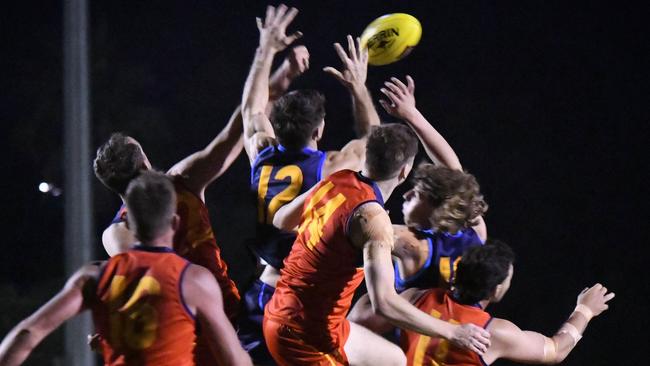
x: 118, y: 161
x: 151, y: 205
x: 484, y: 273
x: 442, y: 198
x: 390, y: 151
x: 298, y: 117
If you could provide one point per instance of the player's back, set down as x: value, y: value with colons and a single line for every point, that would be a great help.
x: 140, y: 313
x: 324, y: 268
x: 195, y: 241
x: 279, y: 175
x: 444, y: 253
x: 424, y: 350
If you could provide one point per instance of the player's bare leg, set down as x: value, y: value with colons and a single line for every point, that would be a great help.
x: 364, y: 347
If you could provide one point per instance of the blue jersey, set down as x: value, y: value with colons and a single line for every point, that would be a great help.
x: 445, y: 251
x: 278, y: 176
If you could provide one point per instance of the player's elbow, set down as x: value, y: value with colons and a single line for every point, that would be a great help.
x: 381, y: 305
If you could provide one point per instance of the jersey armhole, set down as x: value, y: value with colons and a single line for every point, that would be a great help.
x: 257, y: 160
x: 180, y: 291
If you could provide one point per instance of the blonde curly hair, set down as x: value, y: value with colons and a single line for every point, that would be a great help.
x: 455, y: 194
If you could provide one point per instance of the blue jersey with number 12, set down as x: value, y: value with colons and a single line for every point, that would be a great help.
x: 279, y: 175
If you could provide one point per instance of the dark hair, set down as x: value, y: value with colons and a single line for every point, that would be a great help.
x: 481, y: 269
x: 456, y: 196
x: 296, y: 115
x: 388, y: 148
x: 151, y: 204
x: 118, y: 161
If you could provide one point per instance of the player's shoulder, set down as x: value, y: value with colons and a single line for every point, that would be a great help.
x: 88, y: 274
x: 502, y: 329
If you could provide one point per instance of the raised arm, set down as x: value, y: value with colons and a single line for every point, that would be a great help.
x: 510, y: 342
x: 401, y: 104
x: 353, y: 77
x: 25, y: 336
x: 203, y: 297
x: 370, y: 229
x: 255, y: 98
x: 204, y: 166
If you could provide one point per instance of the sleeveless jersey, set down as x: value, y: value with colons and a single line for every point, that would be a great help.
x: 445, y: 250
x: 323, y: 270
x: 195, y: 241
x: 424, y: 350
x: 139, y: 310
x: 278, y: 176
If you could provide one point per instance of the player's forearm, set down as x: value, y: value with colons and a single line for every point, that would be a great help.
x: 564, y: 340
x: 402, y: 314
x: 365, y: 114
x: 280, y: 81
x: 256, y: 89
x: 17, y: 345
x: 437, y: 148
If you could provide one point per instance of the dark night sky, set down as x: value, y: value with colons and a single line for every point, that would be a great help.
x: 541, y: 100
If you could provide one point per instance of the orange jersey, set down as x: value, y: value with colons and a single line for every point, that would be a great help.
x: 139, y: 311
x: 195, y: 241
x: 424, y: 350
x: 323, y: 270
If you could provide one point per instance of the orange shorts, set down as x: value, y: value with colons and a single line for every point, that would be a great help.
x: 288, y: 347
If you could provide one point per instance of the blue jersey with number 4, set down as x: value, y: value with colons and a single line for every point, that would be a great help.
x: 279, y: 175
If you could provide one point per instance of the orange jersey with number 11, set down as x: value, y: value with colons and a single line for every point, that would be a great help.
x: 140, y: 313
x: 424, y: 350
x: 323, y: 269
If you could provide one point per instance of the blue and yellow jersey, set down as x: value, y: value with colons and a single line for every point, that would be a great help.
x: 445, y: 250
x: 278, y: 176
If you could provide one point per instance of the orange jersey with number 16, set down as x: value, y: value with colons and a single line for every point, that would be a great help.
x: 323, y: 270
x: 140, y: 313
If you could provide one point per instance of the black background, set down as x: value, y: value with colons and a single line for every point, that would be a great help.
x: 545, y: 102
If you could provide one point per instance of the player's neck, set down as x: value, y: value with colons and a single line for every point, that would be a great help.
x: 313, y: 144
x: 484, y: 303
x: 164, y: 240
x: 386, y: 187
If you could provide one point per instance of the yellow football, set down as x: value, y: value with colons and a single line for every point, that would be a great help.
x: 391, y: 37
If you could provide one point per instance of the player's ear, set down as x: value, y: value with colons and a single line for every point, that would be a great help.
x: 318, y: 131
x: 405, y: 171
x: 176, y: 222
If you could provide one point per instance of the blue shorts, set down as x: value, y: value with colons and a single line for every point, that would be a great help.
x: 250, y: 322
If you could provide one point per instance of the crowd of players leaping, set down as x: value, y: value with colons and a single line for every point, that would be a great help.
x: 165, y: 298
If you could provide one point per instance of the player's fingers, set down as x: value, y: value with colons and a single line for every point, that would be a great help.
x: 400, y: 84
x: 359, y: 48
x: 479, y: 347
x: 292, y: 38
x: 609, y: 296
x: 385, y: 105
x: 394, y: 88
x: 270, y: 15
x: 585, y: 290
x: 279, y: 14
x: 289, y: 17
x: 259, y: 23
x: 339, y: 51
x: 393, y: 98
x: 410, y: 83
x: 334, y: 72
x: 305, y: 63
x: 351, y: 48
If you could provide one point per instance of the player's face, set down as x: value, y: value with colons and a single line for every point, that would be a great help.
x: 505, y: 286
x: 417, y: 210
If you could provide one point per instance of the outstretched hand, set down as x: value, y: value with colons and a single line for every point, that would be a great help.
x: 297, y: 61
x: 595, y: 298
x: 471, y: 337
x: 355, y: 64
x: 273, y: 35
x: 401, y: 97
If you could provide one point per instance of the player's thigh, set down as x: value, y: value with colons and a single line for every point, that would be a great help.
x: 364, y: 347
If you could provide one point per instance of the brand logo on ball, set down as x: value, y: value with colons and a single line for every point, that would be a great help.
x: 383, y: 39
